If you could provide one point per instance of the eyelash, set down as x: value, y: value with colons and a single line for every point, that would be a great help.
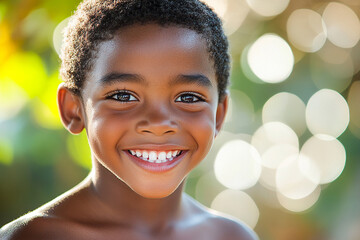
x: 131, y: 95
x: 199, y: 98
x: 122, y: 92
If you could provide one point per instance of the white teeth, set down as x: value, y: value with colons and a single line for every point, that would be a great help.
x: 162, y: 156
x: 152, y: 156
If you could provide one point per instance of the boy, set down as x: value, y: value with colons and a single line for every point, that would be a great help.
x: 147, y: 80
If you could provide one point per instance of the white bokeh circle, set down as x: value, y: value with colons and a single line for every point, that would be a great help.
x: 291, y: 182
x: 322, y: 159
x: 286, y: 108
x: 306, y: 30
x: 237, y: 204
x: 342, y: 24
x: 271, y: 59
x: 273, y: 133
x: 268, y: 8
x: 237, y: 165
x: 327, y: 113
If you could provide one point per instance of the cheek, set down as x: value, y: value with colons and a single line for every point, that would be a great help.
x: 104, y: 132
x: 202, y: 128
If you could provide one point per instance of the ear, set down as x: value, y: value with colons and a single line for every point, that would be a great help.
x: 221, y: 112
x: 70, y: 109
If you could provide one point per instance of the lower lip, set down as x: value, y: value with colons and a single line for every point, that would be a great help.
x: 157, y: 167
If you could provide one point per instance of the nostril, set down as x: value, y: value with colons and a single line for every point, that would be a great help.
x: 165, y: 127
x: 157, y: 132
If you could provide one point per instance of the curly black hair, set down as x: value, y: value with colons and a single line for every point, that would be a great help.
x: 95, y: 21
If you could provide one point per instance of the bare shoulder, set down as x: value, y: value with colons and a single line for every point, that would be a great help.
x: 41, y: 225
x: 221, y: 226
x: 230, y: 228
x: 30, y: 226
x: 50, y: 221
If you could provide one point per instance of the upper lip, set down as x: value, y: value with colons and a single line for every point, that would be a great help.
x: 156, y: 147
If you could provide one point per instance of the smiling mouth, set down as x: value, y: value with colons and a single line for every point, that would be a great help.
x: 152, y: 156
x: 156, y: 161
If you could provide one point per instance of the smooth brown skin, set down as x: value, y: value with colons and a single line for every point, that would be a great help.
x: 119, y: 200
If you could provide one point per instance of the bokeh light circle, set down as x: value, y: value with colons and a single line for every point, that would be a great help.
x: 342, y: 24
x: 327, y: 112
x: 275, y: 155
x: 299, y: 205
x: 268, y: 178
x: 237, y: 204
x: 246, y: 68
x: 237, y: 165
x: 291, y: 182
x: 273, y: 133
x: 322, y: 159
x: 236, y: 13
x: 268, y: 8
x: 58, y: 35
x: 306, y: 30
x: 286, y: 108
x: 270, y: 58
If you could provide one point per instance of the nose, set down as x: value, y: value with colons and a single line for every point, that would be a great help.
x: 157, y: 121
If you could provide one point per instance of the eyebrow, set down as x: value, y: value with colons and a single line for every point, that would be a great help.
x: 113, y: 78
x: 198, y: 79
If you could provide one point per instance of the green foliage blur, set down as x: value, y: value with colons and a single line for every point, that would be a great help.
x: 39, y: 159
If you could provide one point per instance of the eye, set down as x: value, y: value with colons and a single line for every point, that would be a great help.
x: 122, y: 96
x: 189, y: 98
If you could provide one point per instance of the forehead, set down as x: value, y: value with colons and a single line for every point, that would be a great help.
x: 153, y: 50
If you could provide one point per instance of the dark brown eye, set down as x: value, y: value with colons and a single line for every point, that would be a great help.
x: 189, y: 98
x: 123, y: 97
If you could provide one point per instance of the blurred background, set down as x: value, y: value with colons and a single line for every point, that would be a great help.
x: 287, y: 160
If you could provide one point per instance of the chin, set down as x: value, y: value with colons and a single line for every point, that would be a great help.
x: 155, y: 191
x: 155, y: 194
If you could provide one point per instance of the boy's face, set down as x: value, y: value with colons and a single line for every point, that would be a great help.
x: 153, y: 91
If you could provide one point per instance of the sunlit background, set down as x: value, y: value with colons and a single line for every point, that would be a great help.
x: 287, y: 160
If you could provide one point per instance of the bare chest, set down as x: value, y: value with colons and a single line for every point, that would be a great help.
x: 112, y: 233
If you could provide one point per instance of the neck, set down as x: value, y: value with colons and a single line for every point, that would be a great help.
x: 126, y: 206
